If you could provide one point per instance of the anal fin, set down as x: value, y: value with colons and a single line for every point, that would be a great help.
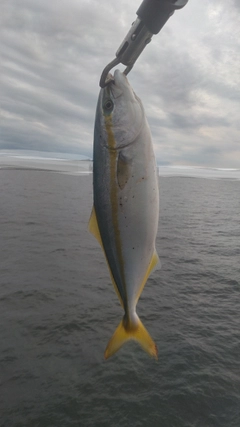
x: 154, y: 261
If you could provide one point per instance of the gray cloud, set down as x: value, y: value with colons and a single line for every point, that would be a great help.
x: 188, y: 77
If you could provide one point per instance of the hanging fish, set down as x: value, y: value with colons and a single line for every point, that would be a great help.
x: 124, y: 218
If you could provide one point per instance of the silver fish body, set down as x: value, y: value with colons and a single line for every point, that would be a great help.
x: 126, y: 202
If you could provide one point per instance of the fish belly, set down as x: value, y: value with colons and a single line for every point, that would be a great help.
x: 138, y: 211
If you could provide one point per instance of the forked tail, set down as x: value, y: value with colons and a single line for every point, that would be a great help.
x: 125, y: 332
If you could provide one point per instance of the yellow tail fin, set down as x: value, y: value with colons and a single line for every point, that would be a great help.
x: 125, y: 333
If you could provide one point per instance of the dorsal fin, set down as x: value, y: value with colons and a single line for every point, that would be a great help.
x: 94, y: 229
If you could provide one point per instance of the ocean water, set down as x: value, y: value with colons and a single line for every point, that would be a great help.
x: 58, y: 308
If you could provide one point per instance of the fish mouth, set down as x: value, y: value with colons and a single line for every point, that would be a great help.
x: 112, y: 89
x: 118, y: 85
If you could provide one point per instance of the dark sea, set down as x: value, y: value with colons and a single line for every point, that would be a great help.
x: 58, y: 309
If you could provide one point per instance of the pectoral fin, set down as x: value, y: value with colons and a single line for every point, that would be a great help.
x: 123, y: 170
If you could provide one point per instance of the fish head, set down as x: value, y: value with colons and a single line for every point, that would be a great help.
x: 120, y: 113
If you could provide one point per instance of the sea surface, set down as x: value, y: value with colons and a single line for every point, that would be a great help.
x: 58, y: 308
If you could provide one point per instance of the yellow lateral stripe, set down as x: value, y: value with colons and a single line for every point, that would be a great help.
x: 113, y: 195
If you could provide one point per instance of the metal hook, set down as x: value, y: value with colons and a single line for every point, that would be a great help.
x: 128, y: 69
x: 129, y: 50
x: 104, y: 80
x: 152, y: 16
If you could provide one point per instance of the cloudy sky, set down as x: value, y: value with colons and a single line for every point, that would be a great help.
x: 188, y: 77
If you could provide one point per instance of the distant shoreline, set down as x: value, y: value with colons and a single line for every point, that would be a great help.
x: 33, y: 160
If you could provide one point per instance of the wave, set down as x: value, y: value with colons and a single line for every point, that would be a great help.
x: 199, y: 172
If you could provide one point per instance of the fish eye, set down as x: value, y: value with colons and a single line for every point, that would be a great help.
x: 108, y: 105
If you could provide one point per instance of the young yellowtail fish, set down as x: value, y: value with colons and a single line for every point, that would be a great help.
x: 124, y: 218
